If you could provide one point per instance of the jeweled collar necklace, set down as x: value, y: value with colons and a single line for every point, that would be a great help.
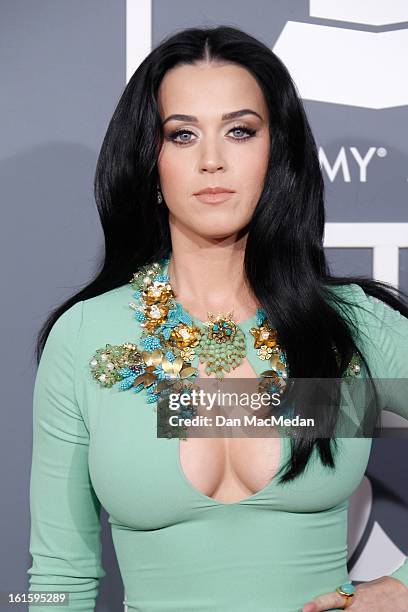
x: 171, y: 339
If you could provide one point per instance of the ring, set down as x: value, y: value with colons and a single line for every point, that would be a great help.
x: 347, y: 590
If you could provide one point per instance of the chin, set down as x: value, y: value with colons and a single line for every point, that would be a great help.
x: 217, y: 231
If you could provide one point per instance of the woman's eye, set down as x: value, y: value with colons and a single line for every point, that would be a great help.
x: 242, y: 128
x: 174, y: 135
x: 177, y: 136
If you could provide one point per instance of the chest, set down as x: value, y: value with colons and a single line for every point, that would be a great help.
x: 229, y: 468
x: 133, y: 471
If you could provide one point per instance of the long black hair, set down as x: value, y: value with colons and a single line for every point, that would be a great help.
x: 284, y: 263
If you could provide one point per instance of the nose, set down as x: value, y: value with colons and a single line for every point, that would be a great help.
x: 211, y: 158
x: 211, y: 167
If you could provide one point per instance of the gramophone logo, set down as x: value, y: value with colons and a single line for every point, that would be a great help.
x: 361, y: 62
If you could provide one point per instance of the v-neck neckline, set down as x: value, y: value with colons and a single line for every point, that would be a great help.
x: 249, y: 499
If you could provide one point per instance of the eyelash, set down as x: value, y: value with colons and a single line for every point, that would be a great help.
x: 173, y: 135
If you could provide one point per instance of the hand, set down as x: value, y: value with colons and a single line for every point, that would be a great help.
x: 385, y: 594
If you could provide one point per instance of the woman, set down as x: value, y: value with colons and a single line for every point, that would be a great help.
x: 206, y: 524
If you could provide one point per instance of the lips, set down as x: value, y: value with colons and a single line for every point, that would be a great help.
x: 213, y: 190
x: 215, y: 198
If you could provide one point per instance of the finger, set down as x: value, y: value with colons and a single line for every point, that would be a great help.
x: 309, y: 607
x: 326, y: 601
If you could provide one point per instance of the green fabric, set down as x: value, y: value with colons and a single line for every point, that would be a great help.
x: 178, y: 549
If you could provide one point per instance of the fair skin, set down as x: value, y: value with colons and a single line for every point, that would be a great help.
x: 212, y: 237
x: 205, y: 236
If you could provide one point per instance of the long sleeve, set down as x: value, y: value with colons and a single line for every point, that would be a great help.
x: 387, y: 331
x: 65, y: 542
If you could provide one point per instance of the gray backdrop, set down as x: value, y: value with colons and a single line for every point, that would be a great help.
x: 63, y: 68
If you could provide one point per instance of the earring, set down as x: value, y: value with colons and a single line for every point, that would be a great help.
x: 159, y: 196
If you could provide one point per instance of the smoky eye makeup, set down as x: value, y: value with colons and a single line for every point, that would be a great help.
x: 176, y: 135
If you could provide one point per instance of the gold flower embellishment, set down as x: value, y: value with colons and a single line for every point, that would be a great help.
x: 129, y: 368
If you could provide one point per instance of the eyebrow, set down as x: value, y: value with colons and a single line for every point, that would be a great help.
x: 225, y: 117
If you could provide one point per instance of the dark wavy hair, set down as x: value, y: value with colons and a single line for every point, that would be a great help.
x: 284, y: 263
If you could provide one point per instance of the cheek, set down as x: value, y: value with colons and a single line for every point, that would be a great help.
x: 250, y: 164
x: 176, y: 182
x: 174, y: 171
x: 252, y: 179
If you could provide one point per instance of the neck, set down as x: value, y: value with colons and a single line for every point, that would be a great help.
x: 211, y: 279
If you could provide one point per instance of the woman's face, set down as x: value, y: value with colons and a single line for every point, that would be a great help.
x: 207, y: 150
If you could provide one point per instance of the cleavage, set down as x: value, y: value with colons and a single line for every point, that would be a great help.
x: 229, y: 469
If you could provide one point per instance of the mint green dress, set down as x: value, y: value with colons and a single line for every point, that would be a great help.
x: 177, y: 549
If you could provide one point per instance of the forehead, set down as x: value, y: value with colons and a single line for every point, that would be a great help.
x: 189, y: 88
